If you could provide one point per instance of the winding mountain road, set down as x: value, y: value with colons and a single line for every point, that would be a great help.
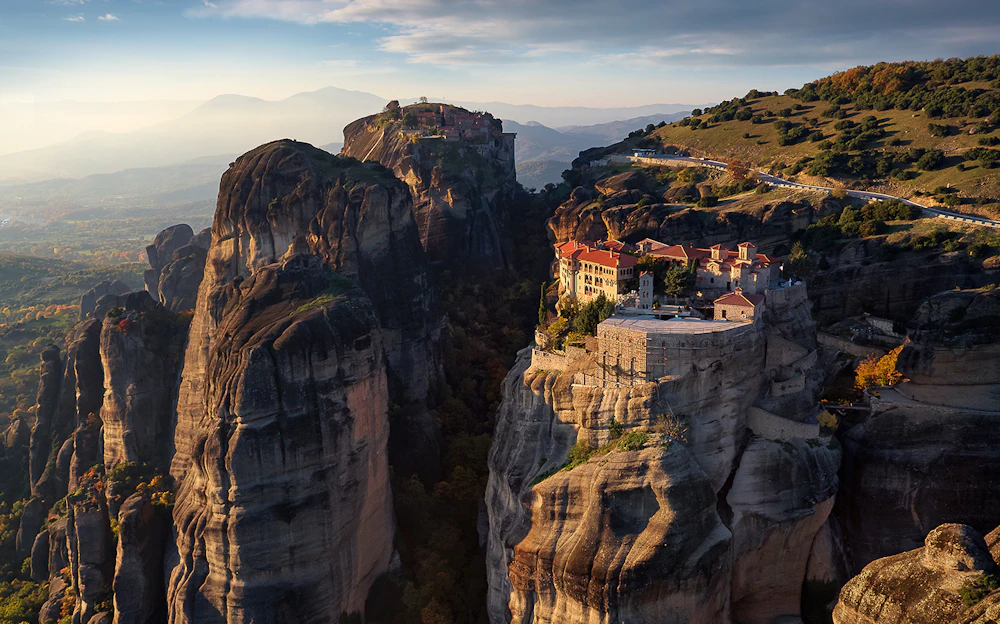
x: 772, y: 180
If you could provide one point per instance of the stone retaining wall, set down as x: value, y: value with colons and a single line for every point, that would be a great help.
x: 790, y: 386
x: 544, y: 360
x: 834, y: 342
x: 767, y: 425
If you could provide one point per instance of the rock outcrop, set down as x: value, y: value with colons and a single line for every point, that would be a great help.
x: 314, y: 302
x: 461, y: 188
x: 705, y: 510
x: 141, y: 348
x: 143, y: 533
x: 929, y: 585
x: 930, y: 451
x: 89, y: 302
x: 619, y: 216
x: 176, y: 265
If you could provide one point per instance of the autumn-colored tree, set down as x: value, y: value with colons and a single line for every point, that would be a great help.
x: 873, y: 371
x: 738, y: 170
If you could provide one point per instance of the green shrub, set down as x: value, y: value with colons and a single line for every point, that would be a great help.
x: 972, y: 592
x: 979, y: 250
x: 615, y: 429
x: 633, y: 440
x: 591, y: 314
x: 578, y: 454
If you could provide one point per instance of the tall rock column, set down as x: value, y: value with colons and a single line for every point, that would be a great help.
x: 313, y: 311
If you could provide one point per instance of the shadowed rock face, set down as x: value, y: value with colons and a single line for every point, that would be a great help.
x: 141, y: 349
x: 176, y: 265
x: 930, y: 452
x: 314, y: 298
x: 922, y: 586
x: 143, y: 531
x: 460, y: 195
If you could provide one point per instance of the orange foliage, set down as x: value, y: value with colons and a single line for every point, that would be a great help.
x: 873, y: 372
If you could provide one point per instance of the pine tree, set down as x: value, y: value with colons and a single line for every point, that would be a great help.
x: 543, y: 310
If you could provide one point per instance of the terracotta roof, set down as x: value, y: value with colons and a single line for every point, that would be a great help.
x: 610, y: 259
x: 746, y: 244
x: 739, y: 299
x: 616, y: 245
x: 588, y: 253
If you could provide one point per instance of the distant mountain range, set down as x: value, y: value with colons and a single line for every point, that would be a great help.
x: 181, y: 156
x: 543, y: 153
x: 233, y: 124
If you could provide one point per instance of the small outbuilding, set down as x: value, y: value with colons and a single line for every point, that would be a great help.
x: 739, y: 306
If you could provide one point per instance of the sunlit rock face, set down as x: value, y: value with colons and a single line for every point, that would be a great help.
x: 715, y: 523
x: 314, y: 302
x: 461, y: 189
x: 924, y: 585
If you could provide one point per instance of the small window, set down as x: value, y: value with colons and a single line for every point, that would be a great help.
x: 723, y: 314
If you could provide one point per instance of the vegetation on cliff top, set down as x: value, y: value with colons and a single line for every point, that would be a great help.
x: 909, y: 127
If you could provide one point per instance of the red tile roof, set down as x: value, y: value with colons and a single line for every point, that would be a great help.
x: 739, y: 299
x: 610, y: 259
x: 588, y: 253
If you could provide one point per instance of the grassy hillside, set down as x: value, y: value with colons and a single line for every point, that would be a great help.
x: 27, y: 281
x: 910, y: 129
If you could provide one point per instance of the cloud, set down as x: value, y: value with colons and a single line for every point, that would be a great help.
x: 707, y: 32
x: 75, y: 18
x: 107, y: 17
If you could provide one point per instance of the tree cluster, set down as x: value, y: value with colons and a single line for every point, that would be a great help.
x: 931, y: 86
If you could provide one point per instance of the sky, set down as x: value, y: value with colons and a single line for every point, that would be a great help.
x: 545, y: 52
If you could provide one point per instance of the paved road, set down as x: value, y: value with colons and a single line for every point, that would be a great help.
x: 772, y: 180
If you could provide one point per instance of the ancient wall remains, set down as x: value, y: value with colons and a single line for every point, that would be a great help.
x: 768, y: 425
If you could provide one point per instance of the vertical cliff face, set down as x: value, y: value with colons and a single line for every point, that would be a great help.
x: 141, y: 349
x: 930, y: 451
x: 461, y: 188
x: 284, y: 513
x: 314, y: 302
x: 704, y: 510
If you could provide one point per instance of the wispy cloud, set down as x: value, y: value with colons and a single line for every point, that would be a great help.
x: 707, y: 32
x: 75, y: 18
x: 107, y: 17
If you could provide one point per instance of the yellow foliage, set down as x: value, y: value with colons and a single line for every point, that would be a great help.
x: 873, y: 372
x: 827, y: 420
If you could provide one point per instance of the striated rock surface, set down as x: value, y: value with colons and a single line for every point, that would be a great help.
x: 143, y: 532
x: 313, y: 305
x: 711, y: 517
x: 930, y: 451
x: 284, y: 513
x: 91, y: 555
x: 923, y: 586
x: 47, y: 415
x: 141, y: 349
x: 176, y: 265
x: 461, y: 188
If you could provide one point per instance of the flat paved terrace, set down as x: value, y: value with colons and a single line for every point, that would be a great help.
x: 651, y: 325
